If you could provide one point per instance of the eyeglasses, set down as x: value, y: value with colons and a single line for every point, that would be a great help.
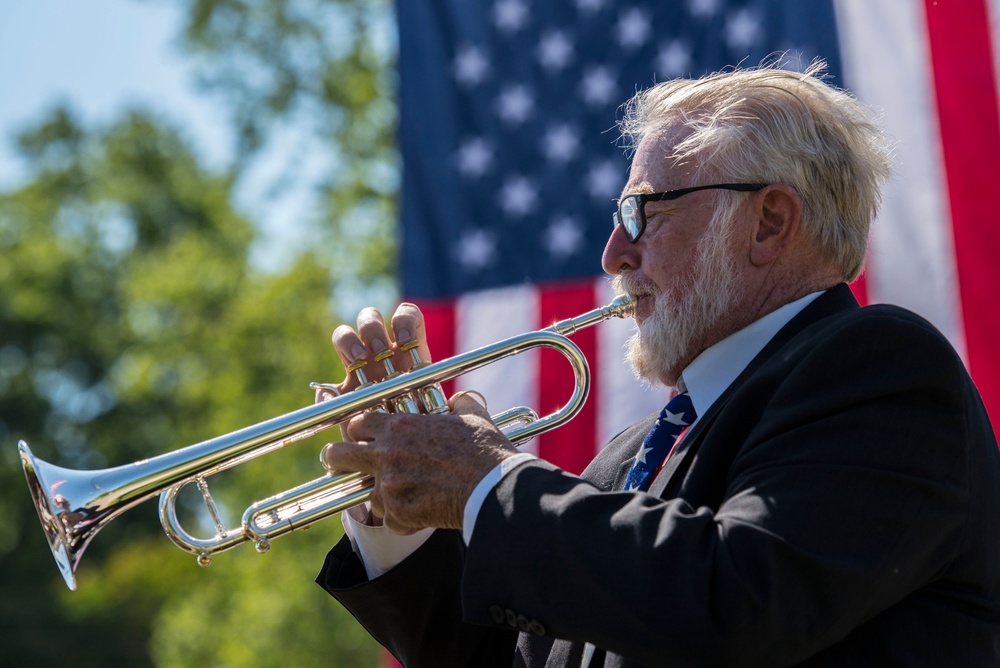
x: 631, y: 213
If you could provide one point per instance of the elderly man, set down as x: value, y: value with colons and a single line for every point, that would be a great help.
x: 822, y: 490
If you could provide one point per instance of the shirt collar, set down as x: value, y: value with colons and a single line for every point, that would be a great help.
x: 708, y: 376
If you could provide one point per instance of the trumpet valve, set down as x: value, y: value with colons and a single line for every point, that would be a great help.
x: 357, y: 367
x: 431, y: 397
x: 411, y: 347
x: 385, y: 357
x: 433, y: 400
x: 405, y: 404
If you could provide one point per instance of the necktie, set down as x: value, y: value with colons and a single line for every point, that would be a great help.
x: 675, y: 416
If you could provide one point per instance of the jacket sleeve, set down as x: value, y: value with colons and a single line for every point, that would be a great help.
x: 414, y: 610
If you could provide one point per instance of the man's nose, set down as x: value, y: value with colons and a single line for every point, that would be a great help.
x: 619, y: 253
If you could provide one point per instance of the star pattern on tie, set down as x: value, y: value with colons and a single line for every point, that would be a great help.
x: 675, y: 416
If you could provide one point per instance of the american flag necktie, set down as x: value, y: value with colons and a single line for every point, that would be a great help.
x: 675, y: 416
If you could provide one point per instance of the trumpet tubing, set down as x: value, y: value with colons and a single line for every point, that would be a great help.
x: 74, y: 505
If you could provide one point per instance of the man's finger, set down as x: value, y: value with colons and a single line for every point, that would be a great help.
x: 348, y: 456
x: 367, y: 426
x: 349, y: 348
x: 375, y: 501
x: 392, y: 526
x: 408, y: 328
x: 469, y: 403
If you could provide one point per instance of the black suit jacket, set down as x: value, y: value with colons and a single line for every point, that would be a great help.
x: 838, y: 505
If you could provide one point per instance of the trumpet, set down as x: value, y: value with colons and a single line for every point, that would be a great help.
x: 74, y: 505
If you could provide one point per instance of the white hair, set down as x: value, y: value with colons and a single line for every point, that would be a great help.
x: 768, y: 125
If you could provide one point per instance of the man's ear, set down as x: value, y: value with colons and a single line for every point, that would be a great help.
x: 778, y: 210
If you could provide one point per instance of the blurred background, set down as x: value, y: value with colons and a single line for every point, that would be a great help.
x: 195, y: 193
x: 172, y: 175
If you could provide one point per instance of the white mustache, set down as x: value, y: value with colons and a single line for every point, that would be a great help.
x: 628, y: 282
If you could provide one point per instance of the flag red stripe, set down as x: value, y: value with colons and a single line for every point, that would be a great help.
x: 965, y: 85
x: 860, y: 289
x: 573, y: 445
x: 439, y: 321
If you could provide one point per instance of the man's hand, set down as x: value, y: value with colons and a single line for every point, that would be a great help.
x: 361, y: 346
x: 425, y: 466
x: 371, y: 339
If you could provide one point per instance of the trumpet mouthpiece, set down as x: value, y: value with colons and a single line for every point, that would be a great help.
x: 622, y: 306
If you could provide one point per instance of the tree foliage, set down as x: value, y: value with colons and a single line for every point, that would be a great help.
x: 325, y: 67
x: 132, y: 323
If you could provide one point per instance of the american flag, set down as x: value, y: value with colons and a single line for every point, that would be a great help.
x: 511, y: 168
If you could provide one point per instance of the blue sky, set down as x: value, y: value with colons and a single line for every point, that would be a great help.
x: 100, y: 56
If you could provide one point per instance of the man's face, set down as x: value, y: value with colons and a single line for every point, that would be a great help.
x: 683, y: 271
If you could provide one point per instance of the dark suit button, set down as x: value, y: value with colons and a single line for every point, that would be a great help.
x: 496, y: 612
x: 511, y: 618
x: 523, y: 623
x: 537, y: 628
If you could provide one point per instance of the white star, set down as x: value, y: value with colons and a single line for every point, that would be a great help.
x: 510, y: 15
x: 641, y: 455
x: 703, y: 8
x: 564, y: 237
x: 675, y: 418
x: 515, y: 105
x: 561, y: 143
x: 598, y: 86
x: 743, y: 29
x: 674, y: 59
x: 555, y: 50
x: 633, y: 28
x: 470, y: 66
x: 474, y: 157
x: 475, y: 249
x: 604, y: 180
x: 589, y: 5
x: 518, y: 196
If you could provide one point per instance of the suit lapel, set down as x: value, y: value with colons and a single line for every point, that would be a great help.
x: 631, y: 441
x: 832, y: 301
x: 680, y: 453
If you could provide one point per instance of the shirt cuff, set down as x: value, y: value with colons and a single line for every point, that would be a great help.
x: 485, y: 486
x: 380, y: 550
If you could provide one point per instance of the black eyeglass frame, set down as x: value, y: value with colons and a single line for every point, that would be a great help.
x: 642, y: 198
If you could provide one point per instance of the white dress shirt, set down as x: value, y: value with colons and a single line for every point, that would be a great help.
x: 705, y: 379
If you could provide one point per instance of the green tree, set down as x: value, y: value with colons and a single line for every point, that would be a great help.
x: 325, y: 68
x: 131, y: 324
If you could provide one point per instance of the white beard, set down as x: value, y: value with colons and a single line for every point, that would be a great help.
x: 674, y: 334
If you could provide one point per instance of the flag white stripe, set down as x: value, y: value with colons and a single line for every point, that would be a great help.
x: 485, y: 317
x: 621, y: 399
x: 887, y: 65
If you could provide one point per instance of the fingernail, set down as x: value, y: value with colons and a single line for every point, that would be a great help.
x: 358, y: 351
x: 323, y: 457
x: 378, y: 345
x: 403, y: 335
